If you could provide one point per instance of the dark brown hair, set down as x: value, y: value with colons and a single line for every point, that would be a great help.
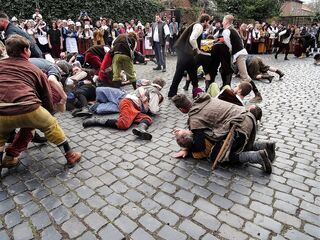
x: 245, y: 88
x: 181, y: 101
x: 204, y: 18
x: 16, y: 44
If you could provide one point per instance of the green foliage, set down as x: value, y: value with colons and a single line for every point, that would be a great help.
x: 250, y: 9
x: 118, y: 10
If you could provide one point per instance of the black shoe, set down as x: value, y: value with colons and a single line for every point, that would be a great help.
x: 164, y: 70
x: 276, y: 56
x: 38, y: 139
x: 287, y: 59
x: 157, y: 68
x: 85, y: 112
x: 270, y: 147
x: 75, y: 111
x: 281, y: 74
x: 93, y: 122
x: 141, y: 132
x: 266, y: 163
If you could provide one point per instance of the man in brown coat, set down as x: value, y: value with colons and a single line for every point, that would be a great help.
x: 211, y: 119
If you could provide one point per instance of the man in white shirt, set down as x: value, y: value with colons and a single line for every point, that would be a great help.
x: 187, y: 47
x: 235, y: 44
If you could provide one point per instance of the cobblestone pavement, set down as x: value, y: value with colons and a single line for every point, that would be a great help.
x: 129, y: 188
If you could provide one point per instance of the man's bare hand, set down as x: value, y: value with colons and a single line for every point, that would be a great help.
x: 181, y: 154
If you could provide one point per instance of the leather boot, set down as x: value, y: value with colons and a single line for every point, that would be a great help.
x: 38, y: 139
x: 268, y: 77
x: 9, y: 162
x: 157, y: 68
x: 258, y: 157
x: 72, y: 158
x: 256, y: 98
x: 98, y: 122
x: 186, y: 86
x: 134, y: 85
x: 226, y: 79
x: 85, y: 112
x: 270, y: 147
x: 281, y: 74
x: 141, y: 131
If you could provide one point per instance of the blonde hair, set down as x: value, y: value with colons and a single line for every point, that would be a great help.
x: 229, y: 18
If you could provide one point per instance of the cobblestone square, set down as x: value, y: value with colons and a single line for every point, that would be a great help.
x: 125, y: 187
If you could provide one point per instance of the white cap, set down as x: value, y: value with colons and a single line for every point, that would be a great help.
x: 78, y: 24
x: 14, y: 19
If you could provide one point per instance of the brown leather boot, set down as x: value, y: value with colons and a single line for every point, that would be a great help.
x: 256, y: 98
x: 9, y: 162
x: 72, y: 158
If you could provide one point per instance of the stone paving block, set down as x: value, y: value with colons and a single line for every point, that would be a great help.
x: 261, y: 208
x: 50, y: 233
x: 6, y: 206
x: 30, y: 208
x: 310, y: 217
x: 287, y: 219
x: 40, y: 220
x: 110, y: 232
x: 141, y: 234
x: 192, y: 229
x: 81, y: 210
x: 50, y: 203
x: 73, y: 227
x: 312, y: 230
x: 182, y: 208
x: 268, y: 223
x: 295, y: 235
x: 284, y: 206
x: 94, y: 183
x: 125, y: 224
x: 87, y: 236
x: 239, y: 198
x: 200, y: 191
x: 95, y: 221
x: 184, y: 195
x: 207, y: 220
x: 206, y: 206
x: 169, y: 233
x: 133, y: 195
x: 217, y: 189
x: 110, y: 212
x: 22, y: 198
x: 60, y: 214
x: 4, y: 235
x: 163, y: 199
x: 131, y: 181
x: 132, y: 210
x: 70, y: 199
x: 256, y: 231
x: 221, y: 202
x: 168, y: 217
x: 150, y: 205
x: 242, y: 211
x: 230, y: 219
x: 209, y: 237
x: 22, y: 232
x: 104, y: 191
x: 96, y: 202
x: 12, y: 219
x: 146, y: 189
x: 168, y: 188
x: 107, y: 179
x: 230, y: 233
x: 149, y: 222
x: 116, y: 199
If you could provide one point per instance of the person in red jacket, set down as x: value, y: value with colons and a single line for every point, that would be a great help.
x: 29, y: 103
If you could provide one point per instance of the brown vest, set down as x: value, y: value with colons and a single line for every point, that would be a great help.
x: 183, y: 44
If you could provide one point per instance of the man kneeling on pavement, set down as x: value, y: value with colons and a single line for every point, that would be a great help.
x: 210, y: 120
x: 28, y: 104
